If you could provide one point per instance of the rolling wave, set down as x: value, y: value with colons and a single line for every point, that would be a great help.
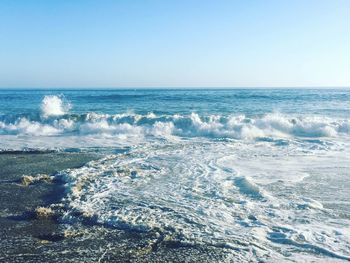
x: 56, y: 122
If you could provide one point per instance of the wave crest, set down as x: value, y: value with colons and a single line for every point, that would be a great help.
x: 193, y: 125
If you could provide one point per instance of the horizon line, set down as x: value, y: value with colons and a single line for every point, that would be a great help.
x: 173, y: 87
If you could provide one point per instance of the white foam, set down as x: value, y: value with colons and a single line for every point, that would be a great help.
x: 199, y: 191
x: 25, y: 127
x: 53, y: 105
x: 128, y: 127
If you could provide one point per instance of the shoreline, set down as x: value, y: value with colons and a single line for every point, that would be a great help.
x: 29, y: 233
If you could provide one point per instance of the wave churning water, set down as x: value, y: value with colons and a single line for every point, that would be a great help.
x: 267, y: 186
x: 55, y: 120
x: 198, y: 194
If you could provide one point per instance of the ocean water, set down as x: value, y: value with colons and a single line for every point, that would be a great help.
x: 261, y: 173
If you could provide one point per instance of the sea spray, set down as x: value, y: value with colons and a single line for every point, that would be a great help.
x: 53, y: 105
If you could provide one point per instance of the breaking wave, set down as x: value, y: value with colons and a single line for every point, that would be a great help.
x: 86, y: 130
x: 193, y: 125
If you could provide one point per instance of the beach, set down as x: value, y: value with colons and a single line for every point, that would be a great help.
x: 30, y: 236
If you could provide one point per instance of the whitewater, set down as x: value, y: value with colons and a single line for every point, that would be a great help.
x: 263, y: 174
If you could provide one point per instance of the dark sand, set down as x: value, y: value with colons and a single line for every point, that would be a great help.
x: 25, y: 237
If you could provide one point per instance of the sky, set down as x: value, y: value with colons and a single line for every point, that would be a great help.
x: 174, y: 43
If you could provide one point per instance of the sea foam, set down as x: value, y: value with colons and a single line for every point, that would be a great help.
x: 195, y: 193
x: 57, y: 121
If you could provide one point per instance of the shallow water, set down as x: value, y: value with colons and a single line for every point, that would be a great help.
x: 263, y: 174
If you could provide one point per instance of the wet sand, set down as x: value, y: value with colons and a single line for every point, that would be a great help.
x: 25, y: 236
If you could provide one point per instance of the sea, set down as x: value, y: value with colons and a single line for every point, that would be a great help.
x: 263, y: 174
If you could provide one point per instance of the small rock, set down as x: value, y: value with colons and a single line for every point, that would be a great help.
x: 44, y: 212
x: 28, y: 179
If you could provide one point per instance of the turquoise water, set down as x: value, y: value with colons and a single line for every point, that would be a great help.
x: 259, y: 101
x: 262, y: 173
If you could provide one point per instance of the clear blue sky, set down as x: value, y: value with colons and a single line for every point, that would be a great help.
x: 174, y: 43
